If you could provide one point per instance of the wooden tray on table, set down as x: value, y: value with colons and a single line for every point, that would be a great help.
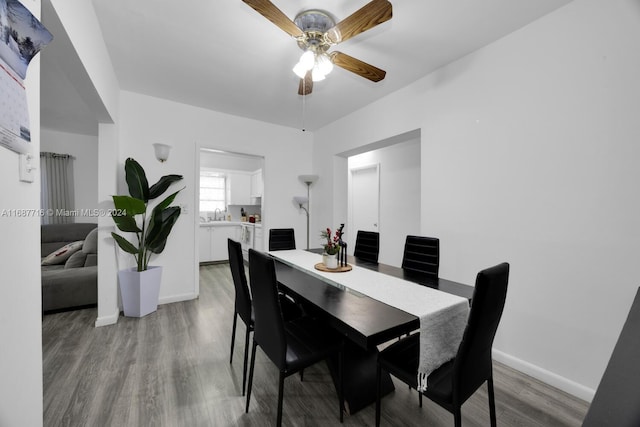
x: 341, y: 269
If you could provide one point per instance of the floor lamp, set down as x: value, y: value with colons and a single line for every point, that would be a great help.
x: 301, y: 200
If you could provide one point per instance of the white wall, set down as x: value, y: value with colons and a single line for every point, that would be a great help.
x: 90, y: 69
x: 20, y: 293
x: 84, y: 149
x: 399, y: 213
x: 529, y: 155
x: 145, y: 120
x: 229, y: 162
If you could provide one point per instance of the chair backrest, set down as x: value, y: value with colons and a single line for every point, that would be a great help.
x: 422, y: 255
x: 281, y: 239
x: 269, y: 325
x: 472, y: 365
x: 367, y: 245
x: 243, y: 297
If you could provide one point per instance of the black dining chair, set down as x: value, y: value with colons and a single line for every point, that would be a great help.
x: 243, y: 306
x: 281, y: 239
x: 455, y: 381
x: 421, y: 256
x: 291, y: 346
x: 367, y: 245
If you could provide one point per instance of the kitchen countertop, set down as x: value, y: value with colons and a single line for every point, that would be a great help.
x: 228, y: 223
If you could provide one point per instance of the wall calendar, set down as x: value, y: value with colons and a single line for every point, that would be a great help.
x: 22, y: 36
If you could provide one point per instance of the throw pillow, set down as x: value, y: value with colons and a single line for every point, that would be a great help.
x: 61, y: 255
x: 76, y: 260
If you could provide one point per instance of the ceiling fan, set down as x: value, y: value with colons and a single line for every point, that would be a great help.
x: 316, y: 32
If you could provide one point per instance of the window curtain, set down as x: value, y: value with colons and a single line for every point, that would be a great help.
x: 56, y: 185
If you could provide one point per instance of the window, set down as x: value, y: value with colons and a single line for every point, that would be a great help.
x: 212, y: 191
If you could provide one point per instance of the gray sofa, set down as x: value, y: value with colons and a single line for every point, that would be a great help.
x: 72, y: 280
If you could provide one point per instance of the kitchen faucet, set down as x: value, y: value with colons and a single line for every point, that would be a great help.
x: 215, y: 214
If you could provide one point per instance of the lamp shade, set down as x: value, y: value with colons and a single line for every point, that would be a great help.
x: 308, y: 179
x: 301, y: 200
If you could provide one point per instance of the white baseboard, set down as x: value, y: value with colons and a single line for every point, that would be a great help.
x: 178, y: 298
x: 111, y: 319
x: 554, y: 380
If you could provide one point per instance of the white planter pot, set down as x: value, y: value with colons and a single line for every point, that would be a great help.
x: 140, y: 290
x: 330, y: 261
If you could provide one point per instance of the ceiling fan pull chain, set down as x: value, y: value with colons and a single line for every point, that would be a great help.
x: 304, y: 102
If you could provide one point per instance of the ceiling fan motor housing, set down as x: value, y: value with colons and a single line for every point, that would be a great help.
x: 314, y: 24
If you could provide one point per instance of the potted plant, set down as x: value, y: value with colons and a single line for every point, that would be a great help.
x: 331, y: 247
x: 140, y: 285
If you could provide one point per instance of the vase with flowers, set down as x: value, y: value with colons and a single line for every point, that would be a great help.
x: 331, y: 247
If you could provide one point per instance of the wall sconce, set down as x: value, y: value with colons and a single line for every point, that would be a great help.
x: 162, y: 151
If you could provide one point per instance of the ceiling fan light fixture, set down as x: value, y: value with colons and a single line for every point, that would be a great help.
x: 300, y: 70
x: 316, y: 74
x: 324, y: 63
x: 307, y: 60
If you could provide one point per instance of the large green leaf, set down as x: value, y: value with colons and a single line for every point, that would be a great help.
x: 128, y: 206
x: 136, y: 180
x: 166, y: 202
x: 161, y: 186
x: 124, y: 244
x: 127, y: 224
x: 162, y: 221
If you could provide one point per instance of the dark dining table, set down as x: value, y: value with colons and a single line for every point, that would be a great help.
x: 365, y: 322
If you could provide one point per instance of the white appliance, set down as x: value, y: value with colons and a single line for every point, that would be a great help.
x: 246, y: 238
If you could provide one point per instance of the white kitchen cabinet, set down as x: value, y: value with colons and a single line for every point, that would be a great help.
x: 219, y: 248
x: 204, y: 253
x: 213, y: 241
x: 239, y: 188
x: 258, y: 242
x: 256, y: 183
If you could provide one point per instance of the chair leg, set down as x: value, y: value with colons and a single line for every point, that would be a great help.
x: 253, y: 362
x: 341, y: 383
x: 457, y: 417
x: 280, y: 398
x: 233, y: 334
x: 492, y: 402
x: 246, y: 354
x: 378, y: 392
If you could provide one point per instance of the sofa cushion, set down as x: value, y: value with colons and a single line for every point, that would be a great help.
x: 61, y: 255
x: 55, y: 236
x: 76, y: 260
x: 67, y: 288
x: 91, y: 242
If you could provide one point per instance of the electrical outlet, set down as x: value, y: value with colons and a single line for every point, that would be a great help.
x: 184, y: 209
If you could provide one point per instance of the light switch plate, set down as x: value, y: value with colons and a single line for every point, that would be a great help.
x: 27, y: 169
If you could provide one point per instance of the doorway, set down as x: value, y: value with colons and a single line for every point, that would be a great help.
x: 229, y: 203
x: 384, y: 189
x: 364, y: 205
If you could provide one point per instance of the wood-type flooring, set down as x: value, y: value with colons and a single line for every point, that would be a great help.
x: 171, y: 368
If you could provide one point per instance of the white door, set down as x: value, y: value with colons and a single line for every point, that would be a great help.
x: 365, y: 202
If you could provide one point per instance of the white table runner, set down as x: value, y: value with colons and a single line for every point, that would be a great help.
x: 443, y: 316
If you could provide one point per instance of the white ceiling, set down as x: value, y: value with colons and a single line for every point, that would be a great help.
x: 222, y: 55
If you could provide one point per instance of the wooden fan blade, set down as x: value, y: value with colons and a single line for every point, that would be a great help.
x: 306, y: 85
x: 275, y: 15
x: 358, y: 67
x: 370, y: 15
